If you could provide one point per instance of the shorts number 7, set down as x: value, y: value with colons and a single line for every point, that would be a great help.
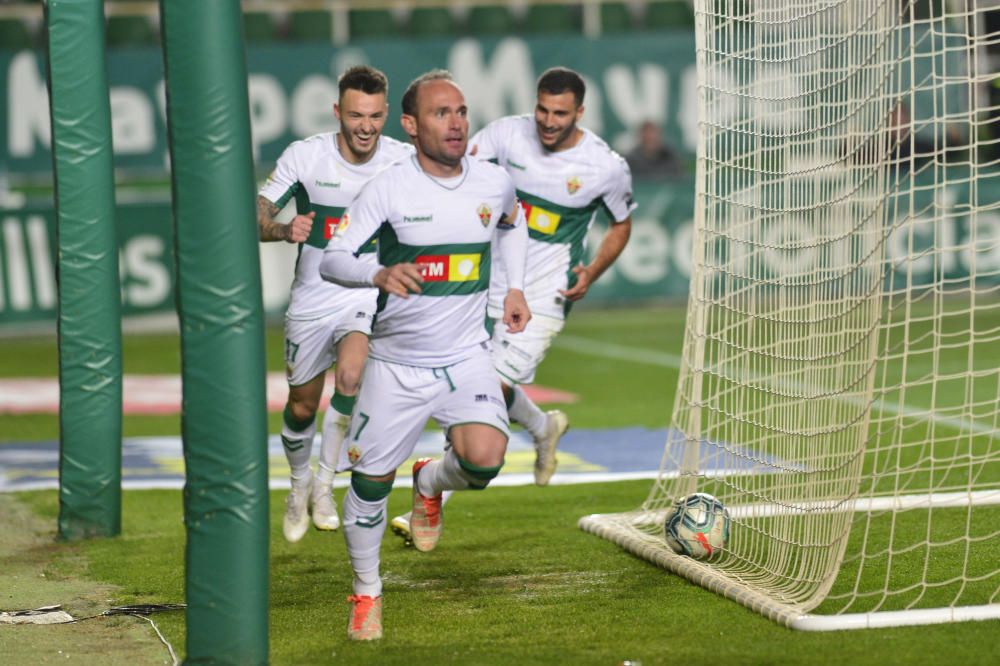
x: 364, y: 422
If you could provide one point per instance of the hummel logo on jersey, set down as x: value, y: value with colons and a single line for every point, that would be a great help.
x: 418, y: 218
x: 449, y: 267
x: 482, y: 397
x: 541, y: 220
x: 573, y: 184
x: 515, y: 165
x: 485, y: 214
x: 326, y: 183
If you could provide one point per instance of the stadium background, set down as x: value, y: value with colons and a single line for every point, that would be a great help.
x: 638, y: 58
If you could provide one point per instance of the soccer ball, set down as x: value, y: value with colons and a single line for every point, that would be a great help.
x: 698, y: 526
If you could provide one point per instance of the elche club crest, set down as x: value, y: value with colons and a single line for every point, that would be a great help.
x: 573, y: 184
x: 354, y: 453
x: 485, y: 214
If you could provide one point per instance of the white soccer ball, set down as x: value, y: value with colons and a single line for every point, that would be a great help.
x: 698, y: 526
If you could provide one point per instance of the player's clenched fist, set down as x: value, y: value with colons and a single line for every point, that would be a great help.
x: 399, y: 279
x: 515, y: 311
x: 297, y: 231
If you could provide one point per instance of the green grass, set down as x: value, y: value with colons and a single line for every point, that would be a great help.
x: 513, y: 580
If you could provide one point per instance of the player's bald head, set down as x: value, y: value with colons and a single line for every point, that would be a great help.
x: 410, y: 100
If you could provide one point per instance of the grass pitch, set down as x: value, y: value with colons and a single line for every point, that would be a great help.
x: 513, y: 580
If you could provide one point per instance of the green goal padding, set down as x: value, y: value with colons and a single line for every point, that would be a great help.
x: 90, y: 346
x: 224, y: 419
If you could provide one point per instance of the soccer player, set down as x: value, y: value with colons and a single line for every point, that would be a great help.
x: 564, y: 174
x: 434, y: 216
x: 324, y: 323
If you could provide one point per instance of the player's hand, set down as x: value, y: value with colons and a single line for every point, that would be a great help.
x: 579, y: 290
x: 399, y: 279
x: 516, y: 314
x: 297, y: 231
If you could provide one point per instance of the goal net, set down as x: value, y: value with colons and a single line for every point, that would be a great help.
x: 840, y: 385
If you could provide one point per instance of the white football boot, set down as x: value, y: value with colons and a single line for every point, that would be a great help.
x: 296, y: 520
x: 545, y: 446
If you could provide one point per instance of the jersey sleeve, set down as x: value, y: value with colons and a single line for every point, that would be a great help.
x: 512, y: 237
x: 364, y: 215
x: 618, y: 197
x: 341, y: 263
x: 490, y: 143
x: 283, y: 182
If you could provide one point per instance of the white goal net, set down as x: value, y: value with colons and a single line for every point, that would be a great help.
x: 840, y: 386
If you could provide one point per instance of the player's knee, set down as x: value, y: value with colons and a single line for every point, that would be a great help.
x: 348, y: 378
x: 478, y: 476
x: 371, y: 489
x: 297, y: 416
x: 301, y: 408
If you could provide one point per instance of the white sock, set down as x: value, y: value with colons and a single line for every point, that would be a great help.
x: 445, y: 473
x: 527, y: 413
x: 298, y: 449
x: 364, y: 525
x: 334, y: 428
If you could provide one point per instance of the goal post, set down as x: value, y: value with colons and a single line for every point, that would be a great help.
x: 838, y: 390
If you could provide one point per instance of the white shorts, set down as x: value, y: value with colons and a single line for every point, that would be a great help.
x: 516, y: 356
x: 311, y: 344
x: 396, y: 402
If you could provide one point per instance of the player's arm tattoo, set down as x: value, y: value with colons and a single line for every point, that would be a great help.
x: 268, y: 229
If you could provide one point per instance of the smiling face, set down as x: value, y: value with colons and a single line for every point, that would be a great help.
x: 362, y: 117
x: 440, y: 128
x: 556, y: 117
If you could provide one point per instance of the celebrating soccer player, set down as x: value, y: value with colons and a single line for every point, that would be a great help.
x: 325, y: 323
x: 434, y: 216
x: 564, y: 174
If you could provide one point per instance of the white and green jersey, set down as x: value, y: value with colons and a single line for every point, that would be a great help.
x: 322, y: 181
x: 443, y: 225
x: 561, y: 193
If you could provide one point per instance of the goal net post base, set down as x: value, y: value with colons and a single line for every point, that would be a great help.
x: 635, y: 532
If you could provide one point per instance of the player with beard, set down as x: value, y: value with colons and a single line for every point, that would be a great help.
x: 564, y: 175
x: 324, y: 323
x: 436, y: 217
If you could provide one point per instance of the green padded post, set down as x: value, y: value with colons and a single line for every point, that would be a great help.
x: 90, y: 344
x: 224, y: 418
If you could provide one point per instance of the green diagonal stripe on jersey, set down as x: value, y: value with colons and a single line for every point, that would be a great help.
x: 324, y: 224
x: 551, y: 223
x: 448, y: 270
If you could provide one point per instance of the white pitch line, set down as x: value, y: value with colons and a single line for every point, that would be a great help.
x: 600, y: 349
x: 610, y: 350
